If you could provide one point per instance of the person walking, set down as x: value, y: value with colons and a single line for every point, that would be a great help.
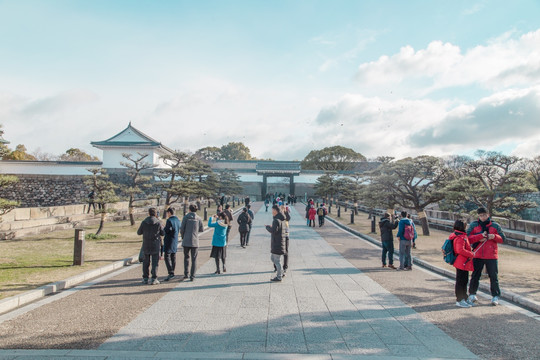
x: 277, y: 242
x: 91, y: 201
x: 191, y: 226
x: 484, y: 236
x: 406, y: 234
x: 285, y: 217
x: 170, y: 242
x: 252, y: 216
x: 321, y: 213
x: 230, y: 218
x: 244, y: 223
x: 312, y: 213
x: 463, y: 263
x: 219, y: 239
x: 151, y: 230
x: 386, y: 225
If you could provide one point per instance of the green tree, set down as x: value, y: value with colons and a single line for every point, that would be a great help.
x: 533, y: 167
x: 75, y: 154
x: 492, y: 181
x: 6, y: 180
x: 412, y: 183
x: 4, y: 150
x: 335, y: 158
x: 20, y: 153
x: 104, y: 193
x: 235, y: 151
x: 174, y: 177
x: 138, y: 182
x: 352, y: 189
x: 209, y: 153
x: 326, y: 186
x: 228, y: 183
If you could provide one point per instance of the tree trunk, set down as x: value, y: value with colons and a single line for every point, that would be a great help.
x: 102, y: 221
x: 130, y: 211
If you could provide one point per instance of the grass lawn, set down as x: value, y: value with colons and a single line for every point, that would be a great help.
x: 33, y: 261
x: 519, y: 269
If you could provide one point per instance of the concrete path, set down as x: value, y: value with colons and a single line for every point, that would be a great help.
x: 324, y: 309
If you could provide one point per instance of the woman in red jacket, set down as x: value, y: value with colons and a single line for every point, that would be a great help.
x: 311, y: 213
x: 463, y: 263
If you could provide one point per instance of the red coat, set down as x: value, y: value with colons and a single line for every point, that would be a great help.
x: 311, y: 213
x: 490, y: 250
x: 462, y: 249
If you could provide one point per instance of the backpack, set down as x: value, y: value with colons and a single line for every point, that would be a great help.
x: 448, y: 251
x: 320, y: 212
x: 408, y: 232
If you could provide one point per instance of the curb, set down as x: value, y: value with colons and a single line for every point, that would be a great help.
x: 509, y: 296
x: 16, y: 301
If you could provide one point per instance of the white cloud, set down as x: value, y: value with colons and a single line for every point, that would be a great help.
x: 503, y: 62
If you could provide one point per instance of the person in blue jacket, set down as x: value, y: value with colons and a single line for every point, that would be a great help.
x: 170, y: 242
x: 219, y: 239
x: 405, y: 259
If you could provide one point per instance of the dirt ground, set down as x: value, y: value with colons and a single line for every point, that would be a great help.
x: 519, y: 269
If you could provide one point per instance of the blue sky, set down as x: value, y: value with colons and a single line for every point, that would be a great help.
x: 399, y: 78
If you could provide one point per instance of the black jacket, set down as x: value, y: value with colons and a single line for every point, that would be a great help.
x: 277, y: 237
x: 152, y: 231
x: 244, y: 222
x: 386, y: 229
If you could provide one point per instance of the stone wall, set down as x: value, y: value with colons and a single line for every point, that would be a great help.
x: 47, y: 190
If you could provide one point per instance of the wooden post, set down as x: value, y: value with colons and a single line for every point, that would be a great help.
x: 78, y: 247
x: 205, y: 214
x: 352, y: 217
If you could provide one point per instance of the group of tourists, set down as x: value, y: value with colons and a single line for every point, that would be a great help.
x: 475, y: 247
x: 152, y: 249
x: 313, y: 211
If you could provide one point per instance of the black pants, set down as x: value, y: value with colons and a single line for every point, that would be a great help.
x: 286, y: 255
x: 146, y: 265
x: 228, y: 231
x: 170, y: 262
x: 388, y: 248
x: 243, y: 238
x: 321, y: 221
x: 92, y: 204
x: 312, y: 222
x: 462, y: 278
x: 492, y: 270
x: 190, y: 252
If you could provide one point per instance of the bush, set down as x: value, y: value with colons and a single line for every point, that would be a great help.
x: 100, y: 237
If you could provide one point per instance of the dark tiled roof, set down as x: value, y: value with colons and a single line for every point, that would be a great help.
x: 279, y: 167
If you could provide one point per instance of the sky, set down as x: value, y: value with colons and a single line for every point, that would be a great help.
x: 385, y: 78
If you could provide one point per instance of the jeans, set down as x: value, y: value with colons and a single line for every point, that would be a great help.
x: 170, y: 262
x: 405, y: 254
x: 193, y: 251
x: 492, y: 270
x: 276, y: 259
x: 249, y: 232
x: 388, y: 247
x: 146, y: 265
x: 462, y: 278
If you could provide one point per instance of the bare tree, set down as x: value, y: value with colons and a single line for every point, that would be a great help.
x: 136, y: 167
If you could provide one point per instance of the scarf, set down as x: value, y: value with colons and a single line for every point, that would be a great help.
x: 485, y: 225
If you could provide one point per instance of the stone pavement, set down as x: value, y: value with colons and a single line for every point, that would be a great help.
x: 324, y: 309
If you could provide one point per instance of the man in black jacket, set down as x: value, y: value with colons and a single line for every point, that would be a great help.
x: 190, y: 228
x: 387, y: 239
x: 277, y: 242
x: 152, y: 230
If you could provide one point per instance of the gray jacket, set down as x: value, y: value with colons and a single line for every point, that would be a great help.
x: 152, y: 230
x: 191, y: 226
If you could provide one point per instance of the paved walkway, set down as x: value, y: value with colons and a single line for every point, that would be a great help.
x: 324, y: 309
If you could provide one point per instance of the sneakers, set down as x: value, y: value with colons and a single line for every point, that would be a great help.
x: 408, y: 268
x: 169, y: 277
x: 472, y: 299
x: 275, y: 279
x: 463, y: 304
x: 495, y: 301
x: 145, y: 281
x: 154, y: 282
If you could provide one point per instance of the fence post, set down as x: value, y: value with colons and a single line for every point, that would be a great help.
x: 78, y: 247
x: 205, y: 214
x: 339, y: 211
x: 373, y: 224
x: 352, y: 217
